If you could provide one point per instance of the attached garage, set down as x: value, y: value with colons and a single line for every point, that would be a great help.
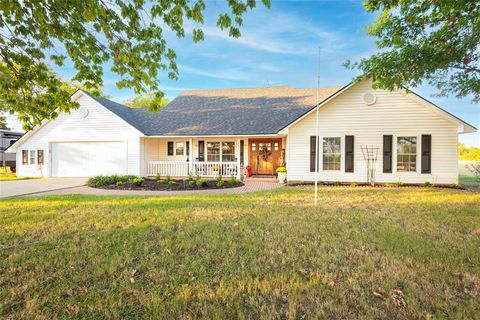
x: 87, y: 159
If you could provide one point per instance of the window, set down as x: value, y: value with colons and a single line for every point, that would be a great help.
x: 406, y: 153
x: 254, y: 146
x: 213, y: 151
x: 228, y: 151
x: 39, y: 156
x: 331, y: 154
x: 170, y: 148
x: 275, y: 146
x: 24, y: 156
x: 32, y: 156
x: 179, y: 148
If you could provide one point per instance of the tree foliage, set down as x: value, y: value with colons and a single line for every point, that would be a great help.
x: 433, y: 41
x: 150, y: 101
x: 130, y: 35
x: 468, y: 153
x: 3, y: 122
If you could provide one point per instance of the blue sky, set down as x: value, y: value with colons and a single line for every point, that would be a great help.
x: 279, y: 47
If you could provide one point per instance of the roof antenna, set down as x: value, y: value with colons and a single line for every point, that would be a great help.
x: 316, y: 131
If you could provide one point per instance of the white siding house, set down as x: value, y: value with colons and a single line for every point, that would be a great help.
x: 234, y: 131
x: 394, y: 113
x: 88, y: 141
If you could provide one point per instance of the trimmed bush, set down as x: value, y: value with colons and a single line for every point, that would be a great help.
x: 102, y: 181
x: 233, y: 180
x: 138, y: 181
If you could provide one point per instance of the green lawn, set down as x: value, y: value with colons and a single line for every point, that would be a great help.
x: 363, y: 253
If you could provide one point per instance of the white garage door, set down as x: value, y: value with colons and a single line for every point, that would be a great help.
x: 87, y: 159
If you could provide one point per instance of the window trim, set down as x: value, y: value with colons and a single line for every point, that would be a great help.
x: 183, y: 148
x: 30, y: 157
x: 395, y: 149
x: 221, y: 150
x: 339, y: 153
x: 25, y: 157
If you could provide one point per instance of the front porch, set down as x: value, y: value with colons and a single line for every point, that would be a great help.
x: 210, y: 157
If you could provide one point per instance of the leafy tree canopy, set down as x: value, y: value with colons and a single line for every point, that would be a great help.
x: 3, y: 122
x: 129, y: 34
x: 436, y: 41
x: 151, y: 101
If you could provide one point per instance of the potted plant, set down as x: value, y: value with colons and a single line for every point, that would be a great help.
x: 281, y: 174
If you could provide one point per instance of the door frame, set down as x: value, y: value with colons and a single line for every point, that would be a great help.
x: 275, y: 154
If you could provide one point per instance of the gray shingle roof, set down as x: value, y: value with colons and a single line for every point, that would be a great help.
x: 223, y: 111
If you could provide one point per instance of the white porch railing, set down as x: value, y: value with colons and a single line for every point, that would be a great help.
x: 182, y: 168
x: 164, y: 168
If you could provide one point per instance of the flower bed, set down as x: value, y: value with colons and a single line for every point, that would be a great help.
x: 158, y: 184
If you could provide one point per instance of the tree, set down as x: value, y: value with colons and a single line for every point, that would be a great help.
x: 150, y: 100
x: 3, y: 122
x: 129, y: 34
x: 433, y: 41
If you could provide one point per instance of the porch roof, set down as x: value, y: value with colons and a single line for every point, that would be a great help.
x: 224, y: 111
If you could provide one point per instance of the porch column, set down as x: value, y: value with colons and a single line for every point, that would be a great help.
x: 237, y: 155
x: 190, y: 156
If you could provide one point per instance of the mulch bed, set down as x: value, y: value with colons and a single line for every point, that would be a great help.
x: 177, y: 185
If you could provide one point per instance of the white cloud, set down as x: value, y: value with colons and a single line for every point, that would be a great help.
x: 279, y: 33
x: 225, y: 74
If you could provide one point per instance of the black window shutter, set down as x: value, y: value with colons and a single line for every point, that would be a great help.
x: 426, y: 153
x: 170, y: 148
x: 188, y: 148
x: 387, y: 154
x: 242, y: 144
x: 312, y: 154
x: 349, y: 151
x: 201, y: 150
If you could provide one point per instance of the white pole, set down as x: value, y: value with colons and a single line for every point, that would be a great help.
x: 316, y: 131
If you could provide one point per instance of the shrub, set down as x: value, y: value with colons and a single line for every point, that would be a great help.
x: 203, y: 183
x: 475, y: 169
x: 320, y: 182
x: 220, y: 183
x: 101, y: 181
x: 171, y: 182
x: 138, y: 181
x: 190, y: 177
x: 388, y: 185
x: 191, y: 183
x: 354, y: 184
x: 120, y: 183
x: 281, y: 169
x: 232, y: 180
x: 168, y: 178
x: 199, y: 182
x: 337, y: 183
x: 455, y: 186
x: 219, y: 178
x: 428, y: 184
x: 158, y: 177
x: 399, y: 183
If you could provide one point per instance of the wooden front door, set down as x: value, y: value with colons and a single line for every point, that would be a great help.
x: 264, y: 155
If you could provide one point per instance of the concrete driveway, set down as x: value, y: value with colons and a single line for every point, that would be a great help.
x: 33, y: 186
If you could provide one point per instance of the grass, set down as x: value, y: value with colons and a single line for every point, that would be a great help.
x: 11, y: 177
x: 363, y: 253
x: 469, y: 182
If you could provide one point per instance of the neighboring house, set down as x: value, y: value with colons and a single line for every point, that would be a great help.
x: 8, y: 138
x: 211, y: 132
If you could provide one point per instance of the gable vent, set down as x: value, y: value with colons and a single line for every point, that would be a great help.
x: 369, y: 98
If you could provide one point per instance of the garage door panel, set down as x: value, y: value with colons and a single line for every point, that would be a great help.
x: 86, y: 159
